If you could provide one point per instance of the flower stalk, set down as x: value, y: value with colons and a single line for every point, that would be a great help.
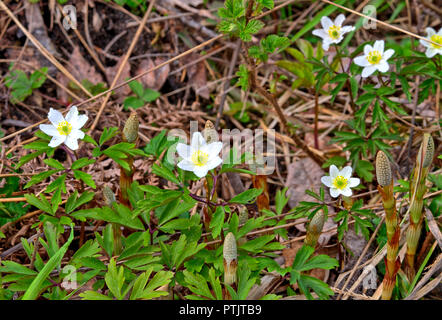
x: 130, y: 134
x: 417, y: 192
x: 109, y: 199
x: 385, y: 188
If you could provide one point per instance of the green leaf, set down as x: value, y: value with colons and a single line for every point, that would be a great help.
x: 217, y: 221
x: 247, y: 196
x: 82, y: 162
x: 85, y: 177
x: 108, y: 133
x: 150, y: 95
x: 165, y: 173
x: 42, y: 203
x: 40, y: 177
x: 54, y: 163
x: 137, y: 88
x: 35, y: 288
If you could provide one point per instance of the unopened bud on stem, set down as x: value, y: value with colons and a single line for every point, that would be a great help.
x: 383, y: 169
x: 230, y: 259
x: 130, y: 131
x: 428, y: 158
x: 109, y: 196
x: 314, y: 228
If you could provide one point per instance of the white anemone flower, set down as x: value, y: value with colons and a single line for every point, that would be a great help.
x: 374, y: 58
x: 332, y: 32
x: 65, y: 130
x: 340, y: 182
x: 199, y: 157
x: 433, y: 49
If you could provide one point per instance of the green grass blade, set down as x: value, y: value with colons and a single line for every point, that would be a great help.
x: 34, y: 289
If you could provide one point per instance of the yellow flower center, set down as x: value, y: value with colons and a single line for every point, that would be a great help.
x: 340, y: 182
x: 334, y: 32
x: 438, y: 39
x: 64, y: 128
x: 374, y: 57
x: 200, y: 158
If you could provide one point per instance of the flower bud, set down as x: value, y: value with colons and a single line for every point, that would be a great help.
x: 430, y: 150
x: 383, y: 169
x: 314, y: 228
x: 230, y: 259
x: 130, y: 131
x: 109, y: 196
x: 209, y: 132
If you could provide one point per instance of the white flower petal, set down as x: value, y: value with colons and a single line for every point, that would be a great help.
x: 326, y: 44
x: 361, y: 61
x: 388, y: 54
x: 430, y: 32
x: 56, y: 141
x: 339, y: 20
x: 81, y: 121
x: 184, y: 151
x: 200, y: 171
x: 379, y: 46
x: 327, y: 180
x: 197, y: 141
x: 353, y: 182
x: 425, y: 43
x: 346, y: 172
x: 49, y: 129
x: 55, y: 117
x: 76, y: 134
x: 346, y: 192
x: 71, y: 142
x: 334, y: 192
x: 334, y: 172
x: 326, y: 23
x: 367, y: 71
x: 320, y: 33
x: 347, y: 29
x: 431, y: 52
x: 72, y: 116
x: 367, y: 49
x: 213, y: 163
x: 186, y: 165
x: 383, y: 66
x: 214, y: 148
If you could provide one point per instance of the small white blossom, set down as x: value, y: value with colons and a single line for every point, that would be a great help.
x: 199, y: 157
x: 374, y: 58
x: 340, y: 182
x: 65, y: 130
x: 433, y: 49
x: 332, y: 32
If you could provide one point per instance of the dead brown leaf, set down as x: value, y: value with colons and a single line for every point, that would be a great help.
x: 154, y: 80
x: 111, y: 73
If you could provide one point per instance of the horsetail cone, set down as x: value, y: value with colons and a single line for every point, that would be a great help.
x: 130, y: 131
x: 209, y: 132
x: 383, y: 169
x: 230, y: 259
x: 385, y: 188
x: 417, y: 192
x: 109, y: 196
x: 429, y: 153
x: 314, y: 229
